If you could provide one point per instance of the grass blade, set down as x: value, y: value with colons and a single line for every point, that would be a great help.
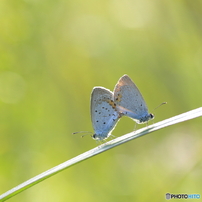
x: 104, y: 147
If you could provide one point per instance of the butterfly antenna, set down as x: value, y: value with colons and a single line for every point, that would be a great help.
x: 88, y: 132
x: 160, y: 105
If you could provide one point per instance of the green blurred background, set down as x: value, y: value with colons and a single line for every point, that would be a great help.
x: 52, y: 53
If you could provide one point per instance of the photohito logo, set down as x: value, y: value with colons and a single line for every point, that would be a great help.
x: 182, y: 196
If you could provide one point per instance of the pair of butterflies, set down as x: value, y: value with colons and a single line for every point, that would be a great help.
x: 108, y: 107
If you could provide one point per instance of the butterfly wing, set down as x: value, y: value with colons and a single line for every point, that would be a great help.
x: 104, y: 115
x: 130, y: 101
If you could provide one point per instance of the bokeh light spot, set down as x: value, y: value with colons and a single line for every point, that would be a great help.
x: 12, y: 87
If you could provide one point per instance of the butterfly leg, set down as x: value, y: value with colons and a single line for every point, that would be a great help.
x: 112, y: 137
x: 135, y: 127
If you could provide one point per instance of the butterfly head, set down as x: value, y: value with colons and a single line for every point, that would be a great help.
x: 145, y: 119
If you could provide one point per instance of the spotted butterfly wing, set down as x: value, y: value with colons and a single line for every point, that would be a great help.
x: 104, y: 115
x: 130, y: 102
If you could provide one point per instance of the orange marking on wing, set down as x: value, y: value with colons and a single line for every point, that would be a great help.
x: 111, y: 102
x: 118, y: 98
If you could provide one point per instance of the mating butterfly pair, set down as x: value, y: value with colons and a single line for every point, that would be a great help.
x: 108, y: 107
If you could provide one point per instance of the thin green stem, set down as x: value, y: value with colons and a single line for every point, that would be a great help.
x: 102, y: 148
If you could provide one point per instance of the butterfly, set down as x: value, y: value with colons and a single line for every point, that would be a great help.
x: 129, y: 101
x: 104, y: 114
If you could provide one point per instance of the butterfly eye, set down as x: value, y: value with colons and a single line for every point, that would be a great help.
x: 151, y: 116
